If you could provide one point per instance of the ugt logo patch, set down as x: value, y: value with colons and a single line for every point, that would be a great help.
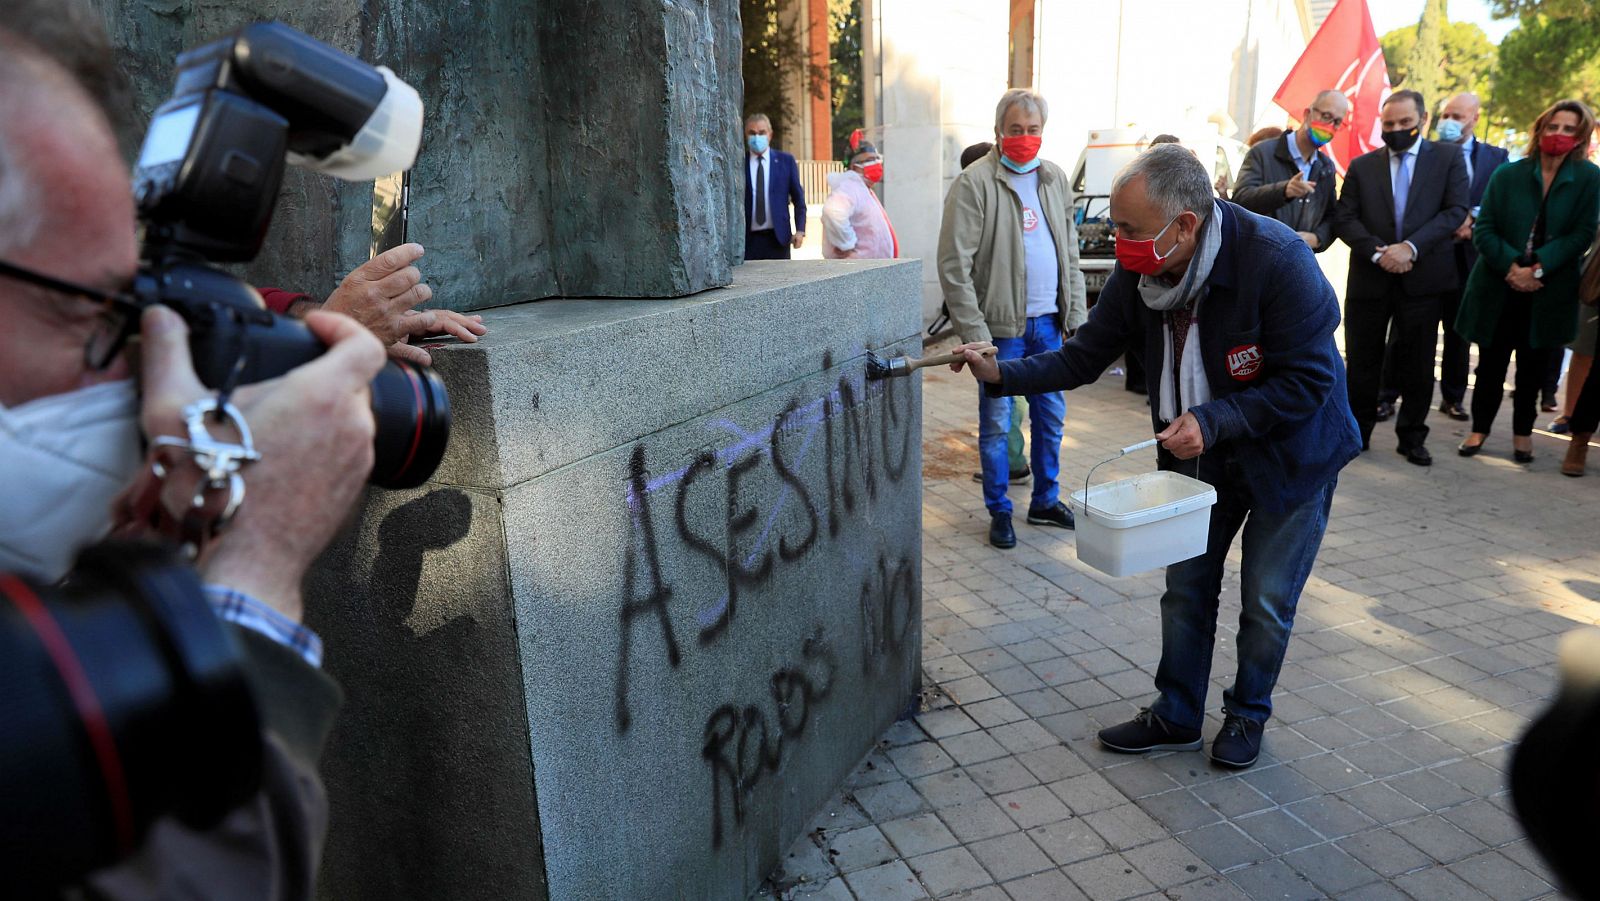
x: 1244, y: 362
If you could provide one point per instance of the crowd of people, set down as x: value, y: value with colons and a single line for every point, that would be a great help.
x: 1219, y: 294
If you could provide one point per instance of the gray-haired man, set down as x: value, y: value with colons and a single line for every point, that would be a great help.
x: 1008, y: 264
x: 1237, y: 324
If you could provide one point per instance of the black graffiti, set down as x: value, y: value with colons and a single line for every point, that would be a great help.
x: 786, y: 552
x: 655, y: 601
x: 757, y: 744
x: 888, y: 607
x: 763, y: 531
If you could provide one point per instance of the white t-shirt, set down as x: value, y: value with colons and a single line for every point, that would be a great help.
x: 1043, y: 277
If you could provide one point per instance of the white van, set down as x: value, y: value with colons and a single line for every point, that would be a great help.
x: 1107, y: 151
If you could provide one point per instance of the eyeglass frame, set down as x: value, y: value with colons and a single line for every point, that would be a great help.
x: 119, y: 315
x: 1327, y: 118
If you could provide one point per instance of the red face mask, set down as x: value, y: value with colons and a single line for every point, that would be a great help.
x: 1020, y: 149
x: 872, y: 172
x: 1557, y: 145
x: 1141, y: 256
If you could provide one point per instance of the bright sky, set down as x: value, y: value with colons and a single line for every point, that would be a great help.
x: 1387, y: 15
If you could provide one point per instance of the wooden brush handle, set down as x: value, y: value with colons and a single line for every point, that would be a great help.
x: 945, y: 359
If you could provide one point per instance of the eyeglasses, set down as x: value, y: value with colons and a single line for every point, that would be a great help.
x: 1327, y: 118
x: 115, y: 322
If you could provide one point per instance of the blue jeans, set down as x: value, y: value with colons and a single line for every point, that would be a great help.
x: 1279, y: 549
x: 1046, y: 411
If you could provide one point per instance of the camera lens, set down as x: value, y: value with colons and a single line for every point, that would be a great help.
x: 121, y: 700
x: 412, y: 410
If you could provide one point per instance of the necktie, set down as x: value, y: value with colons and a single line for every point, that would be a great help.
x: 1402, y: 187
x: 761, y: 190
x: 1466, y: 154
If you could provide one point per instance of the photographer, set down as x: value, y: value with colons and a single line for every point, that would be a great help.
x: 69, y: 439
x: 380, y: 293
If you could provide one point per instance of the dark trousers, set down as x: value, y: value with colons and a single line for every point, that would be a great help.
x: 1454, y: 362
x: 764, y: 245
x: 1586, y: 413
x: 1552, y: 376
x: 1510, y: 336
x: 1414, y: 322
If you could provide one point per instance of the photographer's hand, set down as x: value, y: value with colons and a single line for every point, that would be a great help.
x: 314, y: 429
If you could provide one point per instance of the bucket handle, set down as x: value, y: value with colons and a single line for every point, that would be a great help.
x: 1132, y: 448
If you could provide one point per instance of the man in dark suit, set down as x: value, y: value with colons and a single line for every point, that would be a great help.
x: 1291, y: 178
x: 1456, y: 123
x: 1400, y: 208
x: 771, y: 182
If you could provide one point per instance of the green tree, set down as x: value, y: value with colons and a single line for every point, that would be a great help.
x: 1542, y: 60
x: 1422, y: 63
x: 845, y: 71
x: 775, y: 55
x: 1555, y: 9
x: 1466, y: 62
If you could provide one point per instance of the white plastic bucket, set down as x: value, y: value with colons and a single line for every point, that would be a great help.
x: 1134, y: 525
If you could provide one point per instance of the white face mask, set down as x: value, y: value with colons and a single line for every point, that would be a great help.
x: 66, y: 456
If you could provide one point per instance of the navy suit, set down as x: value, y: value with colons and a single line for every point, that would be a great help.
x: 1454, y: 363
x: 1377, y: 301
x: 783, y: 187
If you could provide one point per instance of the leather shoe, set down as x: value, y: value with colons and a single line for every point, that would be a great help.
x: 1238, y: 744
x: 1468, y: 450
x: 1454, y: 411
x: 1385, y: 411
x: 1001, y: 534
x: 1417, y: 455
x: 1018, y: 477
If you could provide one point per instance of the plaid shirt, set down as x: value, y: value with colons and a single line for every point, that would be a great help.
x: 243, y: 610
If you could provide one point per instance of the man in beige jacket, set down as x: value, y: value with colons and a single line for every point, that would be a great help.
x: 1008, y: 265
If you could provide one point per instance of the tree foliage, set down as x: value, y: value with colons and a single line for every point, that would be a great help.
x: 1423, y: 72
x: 775, y: 57
x: 845, y: 71
x: 1542, y: 60
x: 1555, y: 9
x: 1465, y: 62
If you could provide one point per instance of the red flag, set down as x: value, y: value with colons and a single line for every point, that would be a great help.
x: 1344, y: 55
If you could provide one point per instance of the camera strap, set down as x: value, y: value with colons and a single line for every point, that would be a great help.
x: 217, y: 495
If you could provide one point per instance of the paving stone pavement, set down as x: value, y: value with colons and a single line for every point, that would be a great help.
x: 1423, y: 644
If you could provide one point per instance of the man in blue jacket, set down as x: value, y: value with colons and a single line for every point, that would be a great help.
x: 1248, y: 393
x: 771, y: 183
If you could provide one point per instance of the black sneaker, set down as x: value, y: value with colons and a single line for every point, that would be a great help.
x: 1148, y: 732
x: 1058, y: 516
x: 1001, y: 535
x: 1017, y: 478
x: 1238, y: 744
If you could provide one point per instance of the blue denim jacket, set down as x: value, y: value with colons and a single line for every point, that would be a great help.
x: 1279, y: 404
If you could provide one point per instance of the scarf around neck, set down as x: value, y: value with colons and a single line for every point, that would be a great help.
x: 1190, y: 384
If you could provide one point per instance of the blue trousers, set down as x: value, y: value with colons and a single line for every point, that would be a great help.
x: 1279, y: 549
x: 1046, y: 411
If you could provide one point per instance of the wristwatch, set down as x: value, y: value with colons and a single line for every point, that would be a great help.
x: 1538, y: 272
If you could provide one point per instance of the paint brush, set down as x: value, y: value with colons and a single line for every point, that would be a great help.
x: 879, y: 368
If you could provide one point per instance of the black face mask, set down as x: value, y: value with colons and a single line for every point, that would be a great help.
x: 1401, y: 141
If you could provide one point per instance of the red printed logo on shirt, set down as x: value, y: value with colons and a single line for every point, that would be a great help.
x: 1030, y: 219
x: 1244, y: 362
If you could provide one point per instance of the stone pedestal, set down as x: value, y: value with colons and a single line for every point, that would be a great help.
x: 569, y: 147
x: 662, y: 596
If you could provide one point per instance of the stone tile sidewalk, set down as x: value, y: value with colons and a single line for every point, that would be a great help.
x: 1424, y: 643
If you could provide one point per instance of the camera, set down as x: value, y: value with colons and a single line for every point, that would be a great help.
x: 125, y: 701
x: 206, y: 184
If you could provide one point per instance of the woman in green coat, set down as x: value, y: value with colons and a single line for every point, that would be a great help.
x: 1538, y: 215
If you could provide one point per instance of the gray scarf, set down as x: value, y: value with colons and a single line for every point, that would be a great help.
x: 1158, y: 296
x: 1190, y: 385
